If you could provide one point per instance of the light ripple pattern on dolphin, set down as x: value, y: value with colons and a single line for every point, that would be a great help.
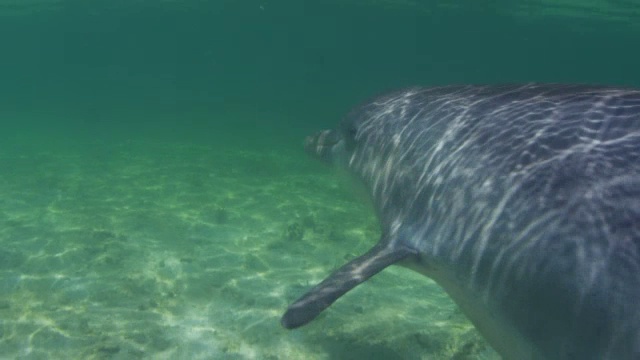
x: 521, y: 201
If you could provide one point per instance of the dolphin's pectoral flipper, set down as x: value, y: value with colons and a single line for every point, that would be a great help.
x: 344, y: 279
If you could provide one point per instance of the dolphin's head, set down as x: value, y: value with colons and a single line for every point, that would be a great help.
x: 323, y: 145
x: 329, y: 146
x: 338, y: 145
x: 368, y: 132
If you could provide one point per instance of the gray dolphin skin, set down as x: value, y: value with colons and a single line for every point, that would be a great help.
x: 521, y: 201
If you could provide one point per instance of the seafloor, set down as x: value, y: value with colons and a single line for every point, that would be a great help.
x: 171, y: 251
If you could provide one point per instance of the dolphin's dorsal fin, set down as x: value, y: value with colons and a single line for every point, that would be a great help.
x: 342, y: 280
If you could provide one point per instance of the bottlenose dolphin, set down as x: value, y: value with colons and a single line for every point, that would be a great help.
x: 521, y: 201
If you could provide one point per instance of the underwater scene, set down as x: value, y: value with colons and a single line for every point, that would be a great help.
x: 156, y: 201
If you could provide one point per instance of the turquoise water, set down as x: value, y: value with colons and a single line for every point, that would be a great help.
x: 155, y: 201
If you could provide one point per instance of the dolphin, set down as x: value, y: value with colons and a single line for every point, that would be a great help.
x: 521, y: 201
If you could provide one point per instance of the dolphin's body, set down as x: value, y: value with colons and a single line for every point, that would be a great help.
x: 522, y: 202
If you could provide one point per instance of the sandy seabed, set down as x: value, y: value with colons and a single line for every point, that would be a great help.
x: 170, y: 251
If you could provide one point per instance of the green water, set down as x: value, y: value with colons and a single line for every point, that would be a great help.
x: 155, y: 201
